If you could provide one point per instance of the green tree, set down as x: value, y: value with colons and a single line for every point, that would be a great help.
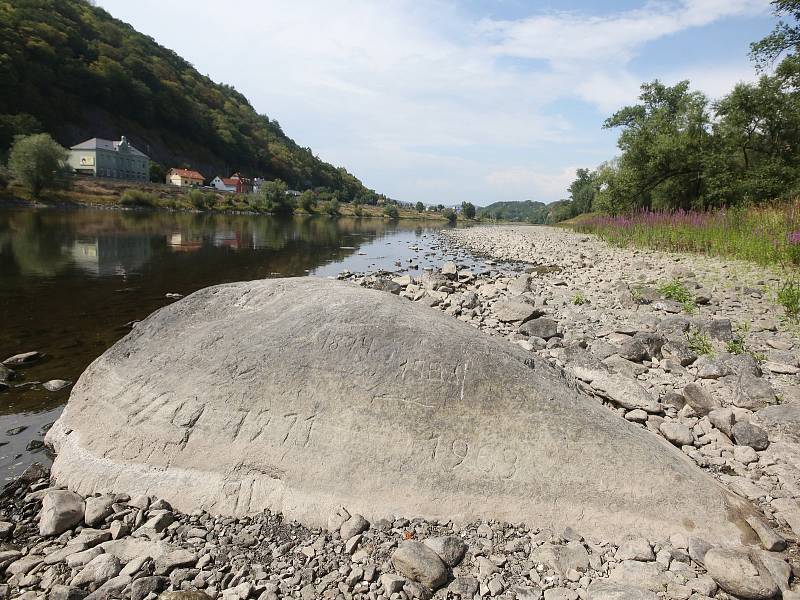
x: 390, y: 211
x: 273, y: 197
x: 308, y: 201
x: 450, y: 215
x: 420, y: 207
x: 37, y: 162
x: 582, y: 191
x: 468, y: 210
x: 785, y: 37
x: 332, y: 207
x: 663, y: 142
x: 158, y: 173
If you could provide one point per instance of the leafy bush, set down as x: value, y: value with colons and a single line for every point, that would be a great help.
x: 332, y: 208
x: 390, y: 210
x: 138, y: 198
x: 308, y: 201
x: 201, y: 200
x: 358, y: 210
x: 789, y: 298
x: 450, y: 215
x: 579, y: 299
x: 37, y: 162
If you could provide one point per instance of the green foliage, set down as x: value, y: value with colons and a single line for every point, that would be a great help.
x: 450, y: 215
x: 61, y: 60
x: 524, y: 212
x: 201, y: 200
x: 158, y: 173
x: 789, y: 298
x: 138, y: 198
x: 272, y: 197
x: 737, y: 344
x: 675, y: 290
x: 680, y: 151
x: 699, y: 342
x: 390, y: 211
x: 785, y: 36
x: 308, y: 201
x: 358, y: 210
x: 468, y: 210
x: 579, y: 299
x: 37, y: 162
x: 420, y: 207
x: 12, y: 126
x: 332, y: 207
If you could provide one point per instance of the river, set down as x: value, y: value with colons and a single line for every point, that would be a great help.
x: 72, y: 281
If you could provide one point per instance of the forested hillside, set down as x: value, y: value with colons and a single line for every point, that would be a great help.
x: 528, y: 211
x: 71, y: 69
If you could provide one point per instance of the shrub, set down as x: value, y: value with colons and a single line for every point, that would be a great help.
x: 450, y: 215
x: 579, y: 299
x: 138, y: 198
x: 37, y: 162
x: 308, y: 201
x: 358, y: 210
x: 201, y: 200
x: 390, y: 210
x: 789, y: 298
x: 331, y: 208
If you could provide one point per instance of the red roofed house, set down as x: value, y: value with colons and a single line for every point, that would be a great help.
x: 235, y: 183
x: 184, y: 177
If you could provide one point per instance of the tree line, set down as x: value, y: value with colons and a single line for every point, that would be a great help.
x: 681, y: 150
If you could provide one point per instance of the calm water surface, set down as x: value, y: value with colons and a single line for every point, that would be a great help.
x: 72, y: 281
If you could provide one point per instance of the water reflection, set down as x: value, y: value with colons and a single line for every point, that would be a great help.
x: 70, y: 281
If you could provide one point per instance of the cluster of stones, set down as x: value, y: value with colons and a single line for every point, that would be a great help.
x: 736, y: 415
x: 60, y: 545
x: 22, y: 360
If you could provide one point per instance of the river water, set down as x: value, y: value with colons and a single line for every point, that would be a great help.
x: 72, y: 280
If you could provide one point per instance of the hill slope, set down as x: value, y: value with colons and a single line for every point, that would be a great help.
x: 73, y: 70
x: 528, y: 211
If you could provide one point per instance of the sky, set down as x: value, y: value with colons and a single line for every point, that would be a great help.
x: 445, y: 101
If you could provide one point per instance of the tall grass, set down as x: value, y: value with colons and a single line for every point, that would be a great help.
x: 766, y: 235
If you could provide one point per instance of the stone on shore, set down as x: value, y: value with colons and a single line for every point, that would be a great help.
x: 740, y: 573
x: 61, y: 510
x: 603, y: 589
x: 300, y: 395
x: 420, y: 563
x: 515, y: 309
x: 23, y: 359
x: 451, y: 549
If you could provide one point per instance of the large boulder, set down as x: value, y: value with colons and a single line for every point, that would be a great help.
x: 303, y: 395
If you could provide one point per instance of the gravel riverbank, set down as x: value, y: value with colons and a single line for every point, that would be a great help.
x: 720, y: 382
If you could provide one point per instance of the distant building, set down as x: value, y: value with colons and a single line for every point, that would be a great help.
x: 224, y: 184
x: 184, y: 177
x: 107, y: 158
x: 235, y: 183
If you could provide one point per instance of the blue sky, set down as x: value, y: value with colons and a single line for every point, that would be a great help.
x: 446, y: 101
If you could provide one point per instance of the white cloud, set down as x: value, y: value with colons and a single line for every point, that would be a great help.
x: 531, y: 183
x: 410, y: 95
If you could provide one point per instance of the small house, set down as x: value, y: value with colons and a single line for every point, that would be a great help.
x: 185, y: 178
